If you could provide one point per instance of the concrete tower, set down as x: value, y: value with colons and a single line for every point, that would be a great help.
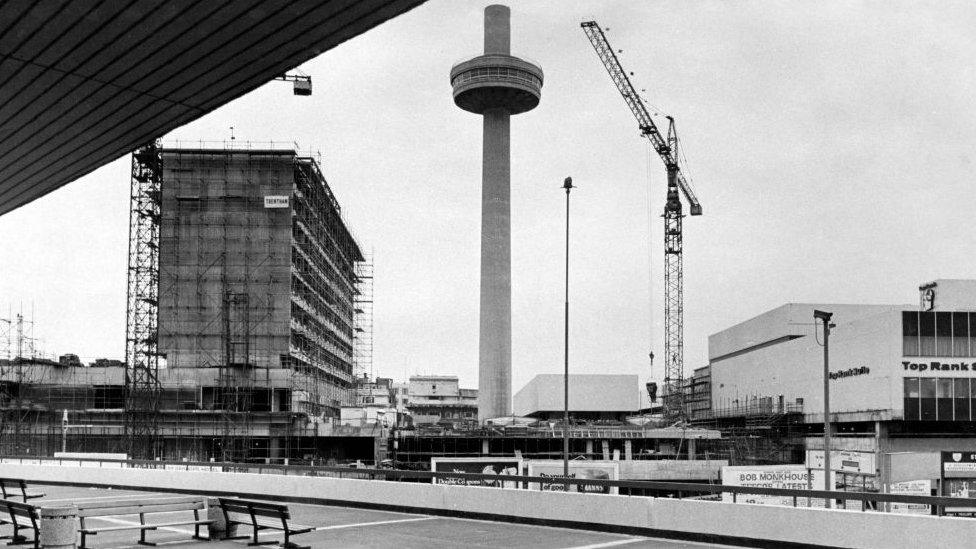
x: 496, y: 85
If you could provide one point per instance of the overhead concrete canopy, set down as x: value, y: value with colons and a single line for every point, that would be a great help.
x: 84, y: 82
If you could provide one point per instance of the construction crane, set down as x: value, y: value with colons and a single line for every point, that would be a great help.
x: 667, y: 149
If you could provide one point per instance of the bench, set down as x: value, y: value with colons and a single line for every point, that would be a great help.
x: 260, y: 515
x: 22, y: 516
x: 140, y: 506
x: 10, y: 486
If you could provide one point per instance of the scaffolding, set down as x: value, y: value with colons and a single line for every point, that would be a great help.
x: 236, y: 379
x: 142, y: 333
x: 363, y: 303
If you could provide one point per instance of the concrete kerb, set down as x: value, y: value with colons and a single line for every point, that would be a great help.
x: 731, y: 523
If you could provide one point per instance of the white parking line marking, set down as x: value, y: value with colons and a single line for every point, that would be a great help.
x: 609, y: 543
x: 357, y: 525
x: 376, y: 523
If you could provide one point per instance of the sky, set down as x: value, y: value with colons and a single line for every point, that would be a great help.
x: 831, y: 146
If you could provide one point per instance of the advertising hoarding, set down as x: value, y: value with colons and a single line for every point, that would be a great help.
x: 479, y: 466
x: 959, y: 464
x: 845, y: 461
x: 911, y: 488
x: 794, y: 477
x: 959, y: 477
x: 589, y: 470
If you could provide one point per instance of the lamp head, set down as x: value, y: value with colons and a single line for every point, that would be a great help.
x: 568, y: 183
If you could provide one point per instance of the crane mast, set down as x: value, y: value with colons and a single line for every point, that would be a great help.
x: 667, y: 150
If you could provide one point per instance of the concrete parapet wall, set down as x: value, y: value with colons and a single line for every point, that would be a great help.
x: 707, y: 520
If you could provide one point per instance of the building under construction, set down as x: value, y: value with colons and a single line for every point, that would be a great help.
x: 249, y: 318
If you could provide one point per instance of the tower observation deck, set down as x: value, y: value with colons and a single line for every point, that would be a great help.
x: 496, y: 85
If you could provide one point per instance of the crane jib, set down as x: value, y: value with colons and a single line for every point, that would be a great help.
x: 645, y: 123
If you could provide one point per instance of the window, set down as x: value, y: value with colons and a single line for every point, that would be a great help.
x: 926, y: 330
x: 942, y: 334
x: 927, y: 400
x: 911, y: 399
x: 909, y: 330
x: 939, y: 399
x: 960, y: 401
x: 960, y: 334
x: 972, y: 396
x: 943, y: 396
x: 972, y: 334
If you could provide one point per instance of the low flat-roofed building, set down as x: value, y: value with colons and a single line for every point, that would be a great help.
x: 438, y: 399
x: 591, y: 396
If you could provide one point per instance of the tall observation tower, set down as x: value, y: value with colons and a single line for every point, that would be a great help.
x: 496, y: 85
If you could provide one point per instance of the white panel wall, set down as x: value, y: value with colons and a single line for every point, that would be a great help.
x: 587, y: 393
x: 795, y: 369
x: 792, y: 319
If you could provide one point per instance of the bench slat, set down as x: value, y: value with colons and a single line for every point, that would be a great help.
x: 276, y: 524
x: 25, y: 510
x: 135, y: 510
x: 260, y: 511
x: 90, y: 530
x: 183, y: 523
x: 130, y: 502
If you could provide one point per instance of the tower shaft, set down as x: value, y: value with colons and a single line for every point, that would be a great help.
x: 495, y: 340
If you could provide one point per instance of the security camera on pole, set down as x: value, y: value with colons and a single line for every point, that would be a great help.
x: 825, y: 317
x: 568, y: 185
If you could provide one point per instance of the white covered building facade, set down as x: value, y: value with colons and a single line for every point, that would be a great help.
x: 902, y: 377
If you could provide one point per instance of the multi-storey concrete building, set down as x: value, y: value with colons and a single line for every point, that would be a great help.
x: 257, y: 273
x: 257, y: 318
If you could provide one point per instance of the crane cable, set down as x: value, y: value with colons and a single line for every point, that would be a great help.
x: 650, y: 248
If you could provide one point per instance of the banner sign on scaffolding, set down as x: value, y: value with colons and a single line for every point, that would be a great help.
x: 589, y: 470
x: 481, y: 466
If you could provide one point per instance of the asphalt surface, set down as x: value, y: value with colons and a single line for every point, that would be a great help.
x: 343, y: 527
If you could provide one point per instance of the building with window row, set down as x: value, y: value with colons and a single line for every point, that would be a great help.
x: 902, y: 377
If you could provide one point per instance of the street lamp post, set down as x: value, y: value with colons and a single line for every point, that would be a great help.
x: 568, y: 185
x: 825, y: 317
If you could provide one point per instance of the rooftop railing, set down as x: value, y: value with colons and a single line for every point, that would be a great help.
x: 850, y: 501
